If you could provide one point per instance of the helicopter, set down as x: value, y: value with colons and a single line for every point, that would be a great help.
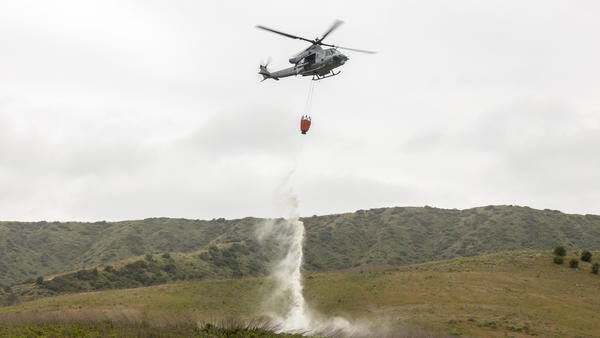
x: 313, y: 61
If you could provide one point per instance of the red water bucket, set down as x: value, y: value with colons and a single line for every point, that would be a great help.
x: 304, y: 124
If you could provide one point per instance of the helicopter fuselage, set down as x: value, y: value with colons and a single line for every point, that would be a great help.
x: 314, y: 61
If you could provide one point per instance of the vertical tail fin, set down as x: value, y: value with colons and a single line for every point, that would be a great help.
x: 266, y: 73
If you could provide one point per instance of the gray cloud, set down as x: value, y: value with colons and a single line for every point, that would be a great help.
x: 258, y: 131
x: 539, y: 150
x: 143, y: 109
x: 324, y: 195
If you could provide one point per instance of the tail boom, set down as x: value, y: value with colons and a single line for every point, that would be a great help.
x: 292, y: 71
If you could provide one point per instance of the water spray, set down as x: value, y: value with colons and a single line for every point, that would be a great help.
x: 294, y: 314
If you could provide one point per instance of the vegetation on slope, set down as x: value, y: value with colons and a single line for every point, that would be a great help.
x: 367, y: 237
x: 28, y: 250
x: 411, y: 235
x: 514, y: 294
x: 232, y: 260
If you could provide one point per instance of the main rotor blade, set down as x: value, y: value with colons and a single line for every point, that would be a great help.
x: 284, y: 34
x: 333, y: 27
x: 348, y: 48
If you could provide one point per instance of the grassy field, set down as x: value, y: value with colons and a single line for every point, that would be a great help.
x: 514, y: 294
x: 109, y: 329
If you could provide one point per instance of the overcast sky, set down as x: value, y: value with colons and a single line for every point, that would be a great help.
x: 114, y: 110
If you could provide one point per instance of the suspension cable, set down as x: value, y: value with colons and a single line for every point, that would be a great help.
x: 309, y: 98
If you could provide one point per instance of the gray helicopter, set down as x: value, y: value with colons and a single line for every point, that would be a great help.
x: 313, y: 61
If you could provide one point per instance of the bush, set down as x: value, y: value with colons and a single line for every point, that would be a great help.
x: 136, y: 266
x: 86, y: 274
x: 586, y: 256
x: 595, y: 268
x: 169, y: 268
x: 558, y: 260
x: 560, y: 251
x: 39, y: 280
x: 573, y: 263
x: 9, y: 300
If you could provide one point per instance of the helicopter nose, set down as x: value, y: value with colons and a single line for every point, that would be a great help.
x: 343, y: 58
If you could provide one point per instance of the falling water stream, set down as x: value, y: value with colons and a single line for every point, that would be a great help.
x: 296, y: 316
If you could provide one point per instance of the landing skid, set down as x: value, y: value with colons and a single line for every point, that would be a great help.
x: 321, y: 77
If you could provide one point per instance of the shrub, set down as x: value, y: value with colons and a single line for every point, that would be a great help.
x: 166, y: 255
x: 149, y: 258
x: 560, y: 251
x: 39, y: 280
x: 10, y: 300
x: 137, y: 265
x: 558, y: 260
x: 586, y: 256
x: 169, y: 268
x: 86, y: 274
x: 595, y: 268
x: 573, y: 263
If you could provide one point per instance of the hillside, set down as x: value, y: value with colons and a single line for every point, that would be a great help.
x: 494, y: 295
x: 367, y: 237
x: 229, y: 260
x: 36, y: 249
x: 413, y: 235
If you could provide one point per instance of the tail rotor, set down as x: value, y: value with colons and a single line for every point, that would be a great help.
x: 264, y: 71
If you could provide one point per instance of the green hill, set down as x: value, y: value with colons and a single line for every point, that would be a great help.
x: 229, y: 260
x: 413, y: 235
x: 366, y: 237
x: 493, y: 295
x: 28, y: 250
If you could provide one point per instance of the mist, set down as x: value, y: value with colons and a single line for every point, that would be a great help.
x: 285, y: 305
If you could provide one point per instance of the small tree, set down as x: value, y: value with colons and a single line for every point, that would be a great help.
x: 560, y: 251
x: 586, y: 256
x: 558, y: 260
x: 595, y: 268
x: 39, y: 280
x: 573, y: 263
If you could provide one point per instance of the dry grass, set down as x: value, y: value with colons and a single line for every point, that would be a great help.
x: 124, y: 323
x: 506, y: 294
x: 516, y: 294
